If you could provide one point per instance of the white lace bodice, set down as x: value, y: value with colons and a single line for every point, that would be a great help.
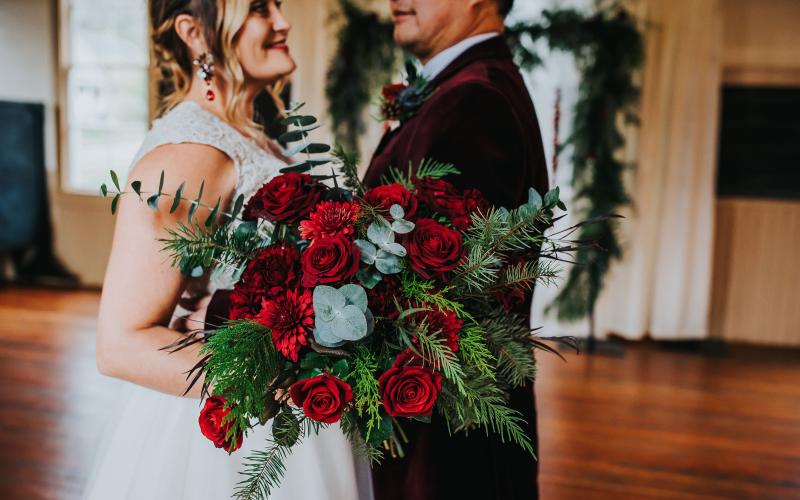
x: 188, y: 122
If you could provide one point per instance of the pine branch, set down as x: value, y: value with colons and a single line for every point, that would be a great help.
x: 435, y: 353
x: 509, y: 338
x: 425, y: 292
x: 263, y: 471
x: 435, y: 169
x: 349, y: 166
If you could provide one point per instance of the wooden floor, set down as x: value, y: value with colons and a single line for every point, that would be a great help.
x: 656, y: 423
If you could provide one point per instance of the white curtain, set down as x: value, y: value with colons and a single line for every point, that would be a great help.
x: 662, y: 286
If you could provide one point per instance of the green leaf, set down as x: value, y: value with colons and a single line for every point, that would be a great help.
x: 299, y: 167
x: 192, y: 209
x: 115, y: 180
x: 312, y: 148
x: 368, y: 251
x: 152, y: 202
x: 114, y: 204
x: 291, y: 136
x: 137, y: 188
x: 355, y: 295
x: 340, y: 368
x: 551, y: 198
x: 298, y: 120
x: 213, y: 216
x: 396, y: 211
x: 382, y: 432
x: 177, y: 201
x: 245, y: 229
x: 286, y: 428
x: 161, y: 183
x: 237, y: 206
x: 312, y: 360
x: 369, y: 277
x: 103, y: 190
x: 310, y: 373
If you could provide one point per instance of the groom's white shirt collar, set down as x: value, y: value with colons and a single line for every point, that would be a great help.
x: 443, y: 59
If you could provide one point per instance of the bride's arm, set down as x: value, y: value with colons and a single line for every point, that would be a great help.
x: 141, y: 287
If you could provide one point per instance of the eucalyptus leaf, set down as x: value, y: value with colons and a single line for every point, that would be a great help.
x: 246, y: 228
x: 115, y: 180
x: 397, y: 212
x: 176, y: 202
x: 137, y: 188
x: 380, y: 232
x: 534, y: 198
x: 327, y: 295
x: 291, y: 136
x: 298, y: 120
x: 394, y: 249
x: 369, y: 277
x: 152, y: 202
x: 161, y: 183
x: 401, y: 226
x: 552, y: 197
x: 355, y: 295
x: 213, y: 215
x: 368, y: 251
x: 114, y: 204
x: 326, y: 339
x: 350, y: 324
x: 103, y: 190
x: 387, y: 263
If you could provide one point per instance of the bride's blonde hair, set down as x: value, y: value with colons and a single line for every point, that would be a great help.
x: 221, y: 21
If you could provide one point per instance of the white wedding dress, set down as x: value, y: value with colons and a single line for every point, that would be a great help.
x: 153, y: 449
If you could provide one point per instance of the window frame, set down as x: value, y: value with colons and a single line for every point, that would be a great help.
x: 63, y: 65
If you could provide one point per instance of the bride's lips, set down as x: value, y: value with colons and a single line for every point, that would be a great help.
x: 279, y: 46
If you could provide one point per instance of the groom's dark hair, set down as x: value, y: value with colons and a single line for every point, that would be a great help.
x: 505, y: 6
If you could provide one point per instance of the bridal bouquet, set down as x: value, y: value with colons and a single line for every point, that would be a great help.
x: 363, y: 307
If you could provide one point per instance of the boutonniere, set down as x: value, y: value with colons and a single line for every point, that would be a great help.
x: 401, y: 101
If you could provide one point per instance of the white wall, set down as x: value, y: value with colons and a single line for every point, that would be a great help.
x: 27, y: 59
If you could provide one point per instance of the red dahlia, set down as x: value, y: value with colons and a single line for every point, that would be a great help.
x: 331, y: 218
x: 291, y: 318
x: 444, y: 324
x: 275, y: 269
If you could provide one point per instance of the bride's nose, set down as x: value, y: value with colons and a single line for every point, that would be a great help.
x: 279, y: 23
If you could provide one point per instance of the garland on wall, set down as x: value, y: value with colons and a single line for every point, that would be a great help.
x: 608, y: 49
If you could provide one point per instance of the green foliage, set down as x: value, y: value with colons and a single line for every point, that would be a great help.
x: 341, y: 315
x: 366, y: 58
x: 303, y: 124
x: 421, y: 291
x: 609, y: 50
x: 365, y: 389
x: 263, y: 471
x: 472, y: 349
x: 525, y: 275
x: 241, y: 363
x: 495, y: 234
x: 427, y: 168
x: 194, y: 247
x: 438, y: 355
x: 349, y: 161
x: 509, y: 336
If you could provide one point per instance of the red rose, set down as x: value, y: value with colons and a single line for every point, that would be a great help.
x: 440, y: 196
x: 331, y: 218
x: 382, y: 298
x: 444, y: 324
x: 291, y: 318
x: 393, y: 194
x: 474, y: 201
x: 322, y: 398
x: 390, y: 92
x: 433, y: 249
x: 409, y: 389
x: 329, y: 260
x: 212, y: 426
x: 274, y: 270
x: 286, y: 198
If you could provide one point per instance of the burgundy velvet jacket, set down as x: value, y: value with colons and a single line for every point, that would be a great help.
x: 480, y: 118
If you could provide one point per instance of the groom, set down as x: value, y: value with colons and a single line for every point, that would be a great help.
x: 480, y: 117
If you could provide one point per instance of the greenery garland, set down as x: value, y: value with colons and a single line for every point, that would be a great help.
x: 609, y: 50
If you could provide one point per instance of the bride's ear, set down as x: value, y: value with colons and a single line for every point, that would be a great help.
x: 190, y: 32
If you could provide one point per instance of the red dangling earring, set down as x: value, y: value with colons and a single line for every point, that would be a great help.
x: 205, y: 71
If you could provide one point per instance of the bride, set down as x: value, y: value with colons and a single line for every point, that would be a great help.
x: 215, y: 57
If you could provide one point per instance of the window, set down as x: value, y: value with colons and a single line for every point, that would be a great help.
x: 104, y: 84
